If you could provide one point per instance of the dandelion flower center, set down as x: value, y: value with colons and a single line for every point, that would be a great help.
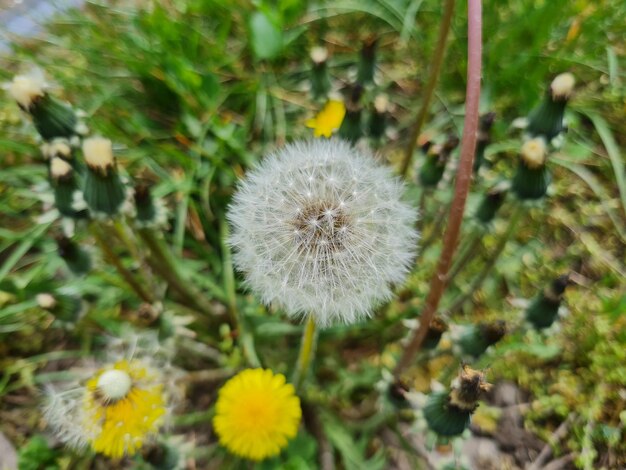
x: 114, y: 384
x: 257, y: 413
x: 320, y: 228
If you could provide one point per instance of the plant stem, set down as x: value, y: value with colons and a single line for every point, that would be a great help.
x: 440, y: 52
x: 478, y: 281
x: 161, y: 261
x: 247, y: 339
x: 466, y: 254
x: 464, y: 177
x: 306, y: 354
x: 110, y: 256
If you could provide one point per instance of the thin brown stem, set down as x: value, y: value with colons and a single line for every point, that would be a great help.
x: 463, y: 179
x: 440, y: 53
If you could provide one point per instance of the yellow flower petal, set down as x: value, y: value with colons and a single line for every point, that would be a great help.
x: 328, y: 120
x: 257, y: 413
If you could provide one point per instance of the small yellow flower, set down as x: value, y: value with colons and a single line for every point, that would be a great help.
x: 257, y: 412
x: 123, y: 405
x: 328, y: 120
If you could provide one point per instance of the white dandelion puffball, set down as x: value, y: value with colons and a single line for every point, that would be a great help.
x: 320, y: 228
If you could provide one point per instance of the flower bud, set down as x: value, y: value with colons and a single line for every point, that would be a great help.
x: 491, y: 203
x: 475, y: 339
x: 103, y: 189
x: 76, y: 258
x: 483, y: 139
x: 66, y: 189
x: 378, y: 119
x: 64, y: 307
x: 544, y: 309
x: 367, y: 62
x: 532, y: 177
x: 437, y: 156
x: 448, y: 413
x: 51, y: 117
x: 148, y: 212
x: 320, y: 79
x: 352, y: 128
x: 547, y: 119
x: 436, y: 329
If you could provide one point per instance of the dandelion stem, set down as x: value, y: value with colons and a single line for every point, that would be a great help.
x: 247, y: 339
x: 307, y: 352
x: 478, y: 281
x: 161, y: 261
x: 464, y: 177
x: 127, y: 240
x: 110, y: 256
x: 438, y: 56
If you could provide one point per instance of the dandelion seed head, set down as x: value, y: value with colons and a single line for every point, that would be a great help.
x: 321, y: 228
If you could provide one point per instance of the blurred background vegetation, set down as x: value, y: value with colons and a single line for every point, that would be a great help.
x: 194, y: 92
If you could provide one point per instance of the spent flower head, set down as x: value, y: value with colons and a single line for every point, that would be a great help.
x: 120, y: 407
x: 117, y: 406
x: 320, y: 228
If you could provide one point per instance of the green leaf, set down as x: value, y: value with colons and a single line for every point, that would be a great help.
x: 612, y: 149
x: 266, y: 37
x: 591, y: 181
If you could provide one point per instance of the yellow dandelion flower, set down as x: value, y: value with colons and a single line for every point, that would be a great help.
x: 328, y: 120
x: 123, y: 405
x: 257, y: 412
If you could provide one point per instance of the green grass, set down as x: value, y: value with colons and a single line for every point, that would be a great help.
x: 191, y: 116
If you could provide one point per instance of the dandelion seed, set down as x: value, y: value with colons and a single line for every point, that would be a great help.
x: 257, y: 413
x: 330, y: 247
